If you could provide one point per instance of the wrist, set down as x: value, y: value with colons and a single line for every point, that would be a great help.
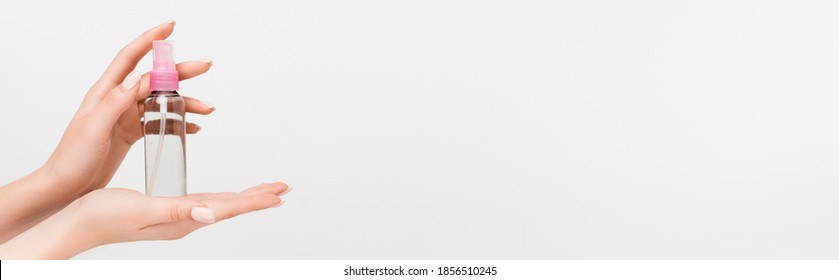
x: 42, y: 178
x: 63, y: 190
x: 58, y: 237
x: 29, y: 200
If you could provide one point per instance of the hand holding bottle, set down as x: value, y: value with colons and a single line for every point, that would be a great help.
x: 105, y: 126
x: 60, y: 209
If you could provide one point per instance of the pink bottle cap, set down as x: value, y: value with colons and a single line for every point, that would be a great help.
x: 163, y: 75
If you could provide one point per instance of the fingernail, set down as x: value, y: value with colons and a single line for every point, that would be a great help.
x: 212, y: 108
x: 285, y: 191
x: 197, y: 127
x: 209, y: 61
x: 131, y: 80
x: 278, y: 204
x: 171, y: 21
x: 203, y: 215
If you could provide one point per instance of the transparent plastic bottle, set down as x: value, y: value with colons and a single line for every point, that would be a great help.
x: 164, y: 133
x: 164, y: 127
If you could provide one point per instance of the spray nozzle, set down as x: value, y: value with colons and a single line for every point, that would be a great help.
x: 163, y: 55
x: 163, y: 76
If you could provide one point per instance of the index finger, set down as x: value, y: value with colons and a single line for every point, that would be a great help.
x: 128, y: 57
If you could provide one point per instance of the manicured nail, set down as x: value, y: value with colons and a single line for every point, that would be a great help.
x: 208, y: 105
x: 278, y: 204
x: 131, y: 80
x: 285, y: 191
x: 203, y: 215
x: 209, y: 61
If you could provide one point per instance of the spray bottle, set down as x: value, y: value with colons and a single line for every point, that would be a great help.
x: 164, y: 127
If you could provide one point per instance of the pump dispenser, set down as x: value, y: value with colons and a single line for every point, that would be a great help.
x: 163, y: 76
x: 164, y: 126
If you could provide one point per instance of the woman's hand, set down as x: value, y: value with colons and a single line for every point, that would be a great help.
x: 97, y: 139
x: 121, y: 215
x: 107, y: 124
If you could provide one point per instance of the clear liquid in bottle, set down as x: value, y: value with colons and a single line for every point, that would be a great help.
x: 164, y: 130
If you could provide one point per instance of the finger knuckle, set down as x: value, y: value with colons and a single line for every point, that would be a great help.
x: 175, y: 213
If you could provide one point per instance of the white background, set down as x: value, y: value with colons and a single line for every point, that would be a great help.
x: 472, y: 129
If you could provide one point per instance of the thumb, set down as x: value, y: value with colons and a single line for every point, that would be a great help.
x: 116, y: 101
x: 171, y: 210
